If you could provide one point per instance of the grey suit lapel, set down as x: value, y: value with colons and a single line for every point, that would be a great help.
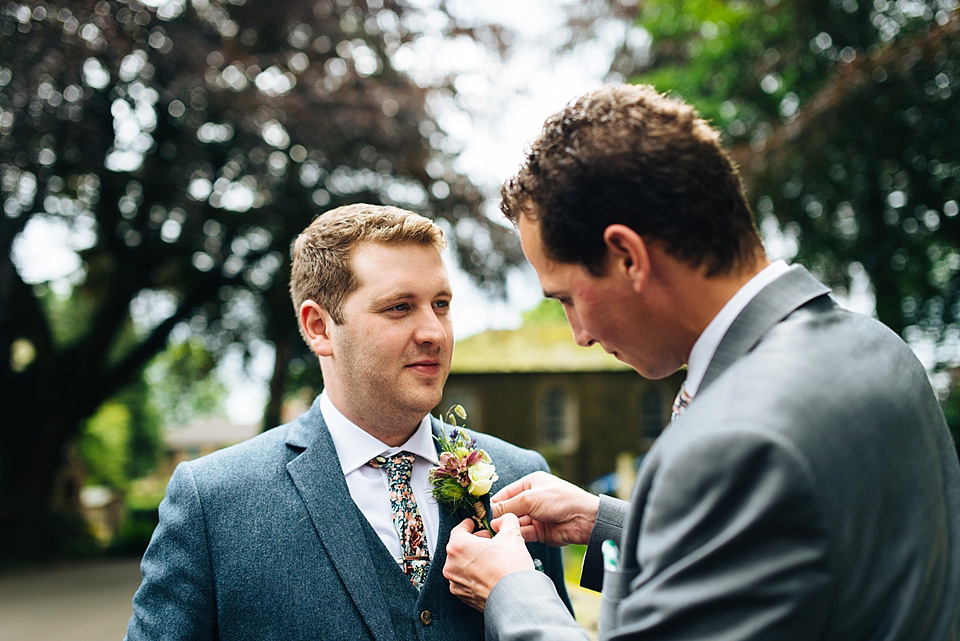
x: 319, y: 478
x: 774, y: 303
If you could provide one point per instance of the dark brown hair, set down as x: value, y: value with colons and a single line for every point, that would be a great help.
x: 630, y: 155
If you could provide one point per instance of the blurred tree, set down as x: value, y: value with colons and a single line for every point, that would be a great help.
x: 951, y: 406
x: 183, y: 145
x: 184, y: 384
x: 122, y: 440
x: 841, y: 114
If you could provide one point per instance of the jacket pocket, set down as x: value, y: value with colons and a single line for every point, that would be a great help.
x: 616, y: 587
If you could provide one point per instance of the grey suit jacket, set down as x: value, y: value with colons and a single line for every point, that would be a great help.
x: 810, y: 491
x: 263, y: 541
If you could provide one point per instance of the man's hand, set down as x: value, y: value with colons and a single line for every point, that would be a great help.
x: 475, y: 562
x: 550, y: 510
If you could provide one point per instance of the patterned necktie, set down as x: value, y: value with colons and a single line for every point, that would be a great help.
x: 406, y: 516
x: 680, y: 403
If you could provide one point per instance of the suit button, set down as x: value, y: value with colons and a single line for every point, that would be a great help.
x: 425, y: 617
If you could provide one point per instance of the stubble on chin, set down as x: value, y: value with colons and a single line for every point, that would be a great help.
x: 402, y: 414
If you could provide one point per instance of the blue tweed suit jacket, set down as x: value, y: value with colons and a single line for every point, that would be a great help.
x: 263, y: 541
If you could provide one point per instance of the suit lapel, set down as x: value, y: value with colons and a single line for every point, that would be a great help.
x: 317, y: 474
x: 774, y: 303
x: 448, y: 521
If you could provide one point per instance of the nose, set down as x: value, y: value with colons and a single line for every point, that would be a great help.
x: 580, y: 336
x: 431, y: 328
x: 583, y: 339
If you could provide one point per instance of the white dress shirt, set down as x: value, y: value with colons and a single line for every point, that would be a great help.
x: 368, y: 485
x: 706, y: 346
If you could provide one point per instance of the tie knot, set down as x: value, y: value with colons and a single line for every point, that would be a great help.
x: 400, y: 463
x: 681, y: 402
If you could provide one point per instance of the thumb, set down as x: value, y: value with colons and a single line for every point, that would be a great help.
x: 509, y: 526
x: 465, y: 526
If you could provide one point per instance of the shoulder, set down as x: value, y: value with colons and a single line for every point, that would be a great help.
x: 823, y: 324
x: 821, y: 361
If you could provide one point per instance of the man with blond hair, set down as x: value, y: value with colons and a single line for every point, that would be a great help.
x: 807, y: 488
x: 325, y: 528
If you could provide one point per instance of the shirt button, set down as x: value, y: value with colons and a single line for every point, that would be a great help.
x: 425, y: 617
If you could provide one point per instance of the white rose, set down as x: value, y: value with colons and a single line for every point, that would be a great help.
x: 482, y: 476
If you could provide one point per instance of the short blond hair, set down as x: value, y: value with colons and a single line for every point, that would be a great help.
x: 321, y: 269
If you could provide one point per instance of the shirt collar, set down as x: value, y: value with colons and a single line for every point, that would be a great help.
x: 355, y: 447
x: 706, y: 345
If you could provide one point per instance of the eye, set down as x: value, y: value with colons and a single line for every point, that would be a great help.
x: 442, y: 304
x: 399, y: 307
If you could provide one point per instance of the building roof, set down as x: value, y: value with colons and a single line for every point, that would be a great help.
x: 530, y: 348
x: 209, y: 432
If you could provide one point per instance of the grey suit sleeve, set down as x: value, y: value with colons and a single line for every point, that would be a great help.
x: 175, y: 601
x: 525, y: 606
x: 609, y: 525
x: 529, y: 606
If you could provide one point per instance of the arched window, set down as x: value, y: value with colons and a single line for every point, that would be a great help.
x: 652, y: 417
x: 558, y: 418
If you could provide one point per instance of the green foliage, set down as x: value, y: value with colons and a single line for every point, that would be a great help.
x: 716, y: 55
x: 184, y: 383
x: 304, y: 378
x: 105, y: 445
x: 122, y: 441
x: 69, y: 314
x: 700, y: 47
x: 135, y: 532
x: 951, y: 411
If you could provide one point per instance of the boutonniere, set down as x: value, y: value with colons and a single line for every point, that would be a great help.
x: 465, y: 473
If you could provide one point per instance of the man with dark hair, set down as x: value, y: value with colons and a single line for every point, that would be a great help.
x: 807, y: 486
x: 326, y: 528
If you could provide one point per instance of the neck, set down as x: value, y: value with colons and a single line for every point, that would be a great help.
x: 393, y: 433
x: 692, y: 298
x: 393, y: 428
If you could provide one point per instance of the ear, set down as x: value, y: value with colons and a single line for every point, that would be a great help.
x: 316, y: 324
x: 627, y: 254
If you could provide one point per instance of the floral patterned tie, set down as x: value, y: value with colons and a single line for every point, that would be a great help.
x: 406, y: 517
x: 680, y: 403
